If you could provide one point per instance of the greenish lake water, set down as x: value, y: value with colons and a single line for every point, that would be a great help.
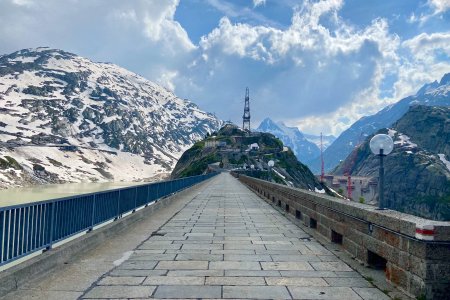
x: 16, y: 196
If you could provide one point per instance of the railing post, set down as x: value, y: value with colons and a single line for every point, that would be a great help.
x: 52, y: 224
x: 93, y: 214
x: 135, y: 199
x: 118, y: 207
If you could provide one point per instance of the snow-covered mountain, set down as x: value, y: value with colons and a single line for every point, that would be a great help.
x: 433, y: 94
x: 303, y: 149
x: 114, y: 124
x: 327, y: 140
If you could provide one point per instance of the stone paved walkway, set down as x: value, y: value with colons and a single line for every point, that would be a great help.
x: 228, y: 243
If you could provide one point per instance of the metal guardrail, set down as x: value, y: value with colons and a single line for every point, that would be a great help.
x: 30, y: 227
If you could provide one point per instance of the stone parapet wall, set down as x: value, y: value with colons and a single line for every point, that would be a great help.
x: 414, y: 252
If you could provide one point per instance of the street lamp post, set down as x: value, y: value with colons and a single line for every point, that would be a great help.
x: 381, y: 145
x: 271, y: 163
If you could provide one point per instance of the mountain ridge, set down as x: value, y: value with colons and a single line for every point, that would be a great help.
x: 432, y: 94
x: 52, y: 97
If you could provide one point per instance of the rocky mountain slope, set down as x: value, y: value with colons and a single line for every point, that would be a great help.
x: 418, y: 170
x: 291, y: 137
x: 64, y: 118
x: 433, y: 94
x: 231, y: 148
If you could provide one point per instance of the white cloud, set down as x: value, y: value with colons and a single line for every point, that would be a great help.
x: 439, y: 6
x: 320, y: 72
x: 257, y: 3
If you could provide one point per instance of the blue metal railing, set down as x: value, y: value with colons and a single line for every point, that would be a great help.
x: 31, y: 227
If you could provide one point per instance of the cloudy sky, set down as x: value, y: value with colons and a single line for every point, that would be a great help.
x: 318, y: 65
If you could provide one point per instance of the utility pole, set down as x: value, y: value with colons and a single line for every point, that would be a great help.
x: 322, y: 173
x: 246, y: 116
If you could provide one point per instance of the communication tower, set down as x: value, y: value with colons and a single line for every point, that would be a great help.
x: 246, y: 116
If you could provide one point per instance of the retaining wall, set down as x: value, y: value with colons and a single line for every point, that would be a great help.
x: 414, y: 252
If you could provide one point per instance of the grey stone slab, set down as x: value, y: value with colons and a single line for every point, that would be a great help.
x: 134, y: 264
x: 240, y: 252
x: 174, y: 280
x: 200, y: 256
x: 294, y: 257
x: 293, y: 265
x: 234, y: 265
x: 203, y: 246
x: 371, y: 294
x: 188, y: 292
x: 243, y: 247
x: 153, y: 257
x: 337, y: 293
x: 348, y: 282
x: 120, y: 291
x: 252, y: 273
x: 256, y: 292
x: 150, y: 246
x: 296, y: 281
x: 189, y: 251
x: 276, y: 242
x: 122, y: 280
x: 247, y: 257
x: 309, y: 274
x: 235, y: 280
x: 182, y: 265
x: 119, y: 272
x: 182, y: 273
x: 331, y: 266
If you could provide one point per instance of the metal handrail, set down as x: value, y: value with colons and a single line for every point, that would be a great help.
x: 30, y: 227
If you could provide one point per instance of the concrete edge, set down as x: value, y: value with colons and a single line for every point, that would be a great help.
x: 11, y: 279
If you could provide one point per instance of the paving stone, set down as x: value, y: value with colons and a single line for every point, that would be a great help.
x: 182, y: 273
x: 371, y: 294
x: 243, y: 247
x: 296, y: 281
x: 337, y: 293
x: 200, y: 256
x: 174, y: 280
x: 202, y: 246
x: 250, y: 273
x: 350, y: 282
x: 134, y: 264
x: 309, y: 273
x: 182, y: 265
x: 331, y: 266
x: 234, y: 265
x: 119, y: 272
x: 241, y: 251
x: 120, y: 291
x: 247, y: 257
x: 297, y: 257
x: 256, y: 292
x: 123, y: 280
x: 152, y: 257
x: 188, y: 292
x: 235, y: 281
x: 286, y: 266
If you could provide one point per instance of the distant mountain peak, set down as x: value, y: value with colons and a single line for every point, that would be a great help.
x: 291, y: 137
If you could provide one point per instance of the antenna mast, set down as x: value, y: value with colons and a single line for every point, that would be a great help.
x: 322, y: 173
x: 246, y: 116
